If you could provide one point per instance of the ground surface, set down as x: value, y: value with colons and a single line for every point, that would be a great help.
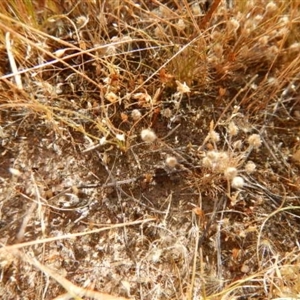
x: 73, y: 160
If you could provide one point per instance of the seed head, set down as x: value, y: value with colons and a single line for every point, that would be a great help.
x: 207, y: 163
x: 217, y: 161
x: 214, y: 136
x: 148, y: 136
x: 171, y: 162
x: 254, y: 140
x: 81, y: 21
x: 230, y: 173
x: 111, y: 97
x: 250, y: 167
x: 181, y: 25
x: 237, y: 182
x: 136, y: 114
x: 295, y: 47
x: 196, y: 9
x: 120, y: 137
x: 271, y: 7
x: 182, y: 88
x: 167, y: 113
x: 223, y: 157
x: 213, y: 155
x: 232, y: 129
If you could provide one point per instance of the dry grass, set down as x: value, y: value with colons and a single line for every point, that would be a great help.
x: 149, y: 149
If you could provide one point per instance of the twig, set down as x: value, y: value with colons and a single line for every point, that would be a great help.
x: 12, y: 62
x: 73, y: 235
x: 209, y: 14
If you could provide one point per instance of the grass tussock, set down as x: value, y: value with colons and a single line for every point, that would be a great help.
x: 149, y: 149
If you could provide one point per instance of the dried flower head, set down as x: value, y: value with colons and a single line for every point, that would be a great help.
x: 103, y: 141
x: 249, y: 26
x: 217, y: 161
x: 232, y: 129
x: 148, y: 135
x: 230, y: 173
x: 182, y: 88
x: 196, y: 9
x: 81, y: 21
x: 207, y: 163
x: 237, y: 182
x: 250, y: 167
x: 295, y: 46
x: 271, y: 7
x: 111, y: 97
x: 136, y: 114
x: 214, y: 136
x: 171, y: 162
x: 167, y: 113
x: 181, y: 25
x: 224, y: 158
x: 120, y: 137
x: 254, y: 140
x: 213, y: 155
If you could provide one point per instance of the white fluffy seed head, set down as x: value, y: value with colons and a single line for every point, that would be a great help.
x: 171, y: 162
x: 230, y: 173
x: 237, y: 182
x: 181, y: 25
x: 250, y: 167
x: 223, y: 158
x: 207, y: 163
x: 148, y: 135
x: 14, y: 172
x: 271, y: 7
x: 167, y: 113
x: 213, y: 155
x: 254, y: 140
x: 214, y: 136
x: 136, y: 115
x: 217, y: 161
x: 232, y: 129
x: 295, y: 46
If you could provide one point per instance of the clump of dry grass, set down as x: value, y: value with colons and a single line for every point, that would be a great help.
x: 179, y: 119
